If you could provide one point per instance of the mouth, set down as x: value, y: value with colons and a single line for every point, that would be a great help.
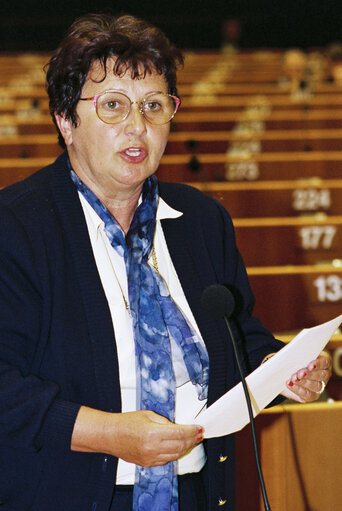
x: 134, y: 154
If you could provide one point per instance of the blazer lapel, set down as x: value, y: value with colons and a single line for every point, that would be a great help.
x: 97, y: 313
x: 195, y: 276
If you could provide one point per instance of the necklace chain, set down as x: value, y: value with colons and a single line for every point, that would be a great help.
x: 154, y: 259
x: 154, y: 264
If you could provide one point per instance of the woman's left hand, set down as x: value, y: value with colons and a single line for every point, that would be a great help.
x: 307, y: 384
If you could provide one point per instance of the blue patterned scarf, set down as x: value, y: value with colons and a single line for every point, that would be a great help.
x: 159, y: 328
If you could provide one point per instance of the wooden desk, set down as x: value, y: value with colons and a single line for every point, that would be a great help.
x: 301, y: 457
x: 250, y: 167
x: 215, y: 86
x: 313, y: 119
x: 308, y: 240
x: 296, y: 297
x: 15, y: 169
x: 249, y: 143
x: 30, y: 146
x: 277, y: 198
x: 225, y: 101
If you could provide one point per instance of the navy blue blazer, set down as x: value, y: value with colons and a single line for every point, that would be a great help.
x: 57, y: 345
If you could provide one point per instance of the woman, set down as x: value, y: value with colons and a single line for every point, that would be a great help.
x: 105, y: 267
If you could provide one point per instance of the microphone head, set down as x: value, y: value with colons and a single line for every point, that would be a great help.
x: 218, y: 301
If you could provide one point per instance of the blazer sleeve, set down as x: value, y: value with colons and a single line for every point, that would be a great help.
x: 31, y: 412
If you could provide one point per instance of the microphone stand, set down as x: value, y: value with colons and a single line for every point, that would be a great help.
x: 250, y: 412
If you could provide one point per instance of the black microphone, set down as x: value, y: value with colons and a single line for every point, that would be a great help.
x: 218, y: 301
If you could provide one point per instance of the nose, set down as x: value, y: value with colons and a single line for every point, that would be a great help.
x: 135, y: 121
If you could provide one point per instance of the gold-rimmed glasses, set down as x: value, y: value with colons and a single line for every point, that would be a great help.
x: 113, y: 107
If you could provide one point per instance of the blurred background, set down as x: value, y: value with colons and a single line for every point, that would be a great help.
x: 39, y: 25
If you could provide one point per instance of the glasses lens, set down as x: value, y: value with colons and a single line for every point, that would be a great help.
x: 112, y: 107
x: 159, y: 108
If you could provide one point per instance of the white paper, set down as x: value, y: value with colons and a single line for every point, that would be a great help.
x: 230, y: 413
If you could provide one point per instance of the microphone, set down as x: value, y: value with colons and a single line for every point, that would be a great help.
x: 218, y: 301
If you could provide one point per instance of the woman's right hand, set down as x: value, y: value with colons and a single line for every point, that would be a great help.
x: 142, y: 437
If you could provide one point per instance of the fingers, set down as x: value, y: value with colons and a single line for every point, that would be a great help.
x: 307, y: 384
x: 176, y: 434
x: 322, y: 362
x: 174, y: 449
x: 148, y: 439
x: 303, y: 392
x: 178, y: 439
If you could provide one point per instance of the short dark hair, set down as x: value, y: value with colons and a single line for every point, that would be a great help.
x: 137, y: 46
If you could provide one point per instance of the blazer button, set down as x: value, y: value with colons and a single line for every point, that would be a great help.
x: 104, y: 464
x: 221, y: 502
x: 222, y: 458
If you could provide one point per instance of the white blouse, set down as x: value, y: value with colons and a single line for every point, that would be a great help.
x: 112, y: 271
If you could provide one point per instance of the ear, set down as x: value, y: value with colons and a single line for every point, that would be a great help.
x: 65, y: 127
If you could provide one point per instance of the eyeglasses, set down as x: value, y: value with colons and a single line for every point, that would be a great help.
x: 113, y: 107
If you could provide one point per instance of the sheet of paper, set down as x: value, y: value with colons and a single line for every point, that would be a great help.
x: 230, y: 413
